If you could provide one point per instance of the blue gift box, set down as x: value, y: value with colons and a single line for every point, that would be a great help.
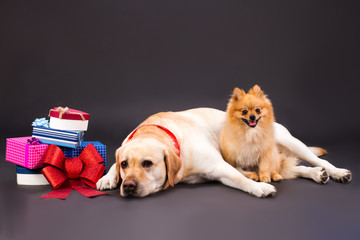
x: 24, y: 170
x: 64, y: 138
x: 101, y: 148
x: 25, y: 176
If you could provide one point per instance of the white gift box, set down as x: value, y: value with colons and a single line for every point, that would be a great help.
x: 26, y: 176
x: 65, y: 124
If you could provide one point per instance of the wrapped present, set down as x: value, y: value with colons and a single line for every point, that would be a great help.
x: 68, y: 119
x: 64, y: 138
x: 25, y: 151
x: 101, y: 148
x: 25, y: 176
x: 65, y: 174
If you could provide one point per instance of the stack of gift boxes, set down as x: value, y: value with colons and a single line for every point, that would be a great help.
x: 65, y: 129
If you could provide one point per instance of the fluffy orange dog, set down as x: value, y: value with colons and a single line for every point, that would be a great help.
x: 248, y: 141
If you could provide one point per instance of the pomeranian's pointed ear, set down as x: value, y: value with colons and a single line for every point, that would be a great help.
x: 256, y: 90
x: 237, y: 94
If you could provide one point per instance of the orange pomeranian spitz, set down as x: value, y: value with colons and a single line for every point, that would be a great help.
x: 247, y: 138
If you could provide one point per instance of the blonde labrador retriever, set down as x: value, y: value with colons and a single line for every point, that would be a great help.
x: 172, y: 147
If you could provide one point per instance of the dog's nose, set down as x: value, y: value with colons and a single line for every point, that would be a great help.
x: 252, y: 117
x: 129, y: 186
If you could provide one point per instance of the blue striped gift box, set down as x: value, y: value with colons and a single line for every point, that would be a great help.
x: 64, y: 138
x: 101, y: 148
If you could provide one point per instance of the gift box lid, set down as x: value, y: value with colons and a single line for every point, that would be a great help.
x: 68, y: 113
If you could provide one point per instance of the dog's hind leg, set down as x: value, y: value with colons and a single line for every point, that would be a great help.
x: 318, y: 174
x: 290, y: 169
x: 300, y: 150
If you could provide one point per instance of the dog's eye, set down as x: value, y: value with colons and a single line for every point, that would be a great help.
x: 124, y: 164
x: 147, y: 163
x: 258, y: 111
x: 244, y: 112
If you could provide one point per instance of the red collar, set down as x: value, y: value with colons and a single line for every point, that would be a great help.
x: 173, y: 137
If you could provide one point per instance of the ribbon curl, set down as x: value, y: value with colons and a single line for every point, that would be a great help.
x: 40, y: 122
x: 65, y: 174
x: 33, y: 141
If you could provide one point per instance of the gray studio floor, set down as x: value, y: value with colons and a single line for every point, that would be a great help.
x: 301, y: 209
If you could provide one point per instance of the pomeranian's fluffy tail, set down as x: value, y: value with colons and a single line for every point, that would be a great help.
x: 318, y: 151
x: 289, y: 163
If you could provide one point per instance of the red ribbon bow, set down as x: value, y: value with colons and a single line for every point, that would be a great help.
x: 65, y: 174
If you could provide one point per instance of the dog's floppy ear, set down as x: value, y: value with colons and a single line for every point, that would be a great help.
x: 173, y: 164
x: 256, y: 90
x: 237, y: 94
x: 117, y: 156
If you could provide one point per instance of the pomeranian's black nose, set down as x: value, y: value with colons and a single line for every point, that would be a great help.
x: 252, y: 117
x: 129, y: 186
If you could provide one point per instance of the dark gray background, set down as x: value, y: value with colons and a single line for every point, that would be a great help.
x: 124, y: 60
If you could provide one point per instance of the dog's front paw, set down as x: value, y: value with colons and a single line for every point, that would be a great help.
x: 263, y: 190
x: 341, y: 175
x: 276, y: 177
x: 107, y: 182
x: 265, y: 178
x: 321, y: 176
x: 253, y: 176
